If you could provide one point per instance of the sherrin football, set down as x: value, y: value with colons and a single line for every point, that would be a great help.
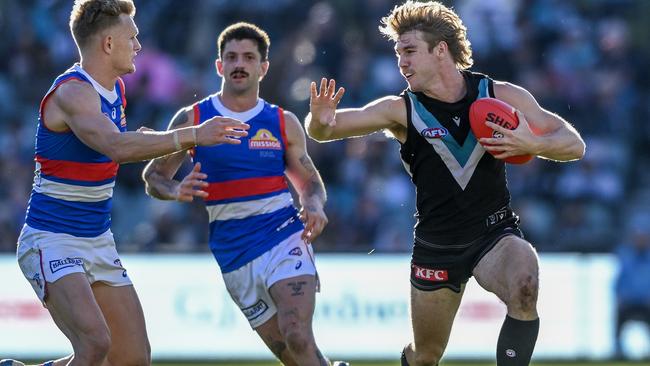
x: 495, y: 111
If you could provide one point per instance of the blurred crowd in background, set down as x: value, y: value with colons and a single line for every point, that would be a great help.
x: 586, y: 60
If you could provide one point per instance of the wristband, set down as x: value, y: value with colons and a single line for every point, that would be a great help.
x: 194, y: 136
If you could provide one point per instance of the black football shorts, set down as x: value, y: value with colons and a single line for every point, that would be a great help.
x: 435, y: 267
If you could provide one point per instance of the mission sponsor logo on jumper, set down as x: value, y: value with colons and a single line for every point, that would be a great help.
x: 264, y: 139
x: 256, y: 310
x: 59, y: 264
x: 428, y: 274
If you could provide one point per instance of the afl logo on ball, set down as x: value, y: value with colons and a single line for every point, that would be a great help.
x: 434, y: 133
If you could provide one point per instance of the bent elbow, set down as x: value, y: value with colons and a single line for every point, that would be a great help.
x: 316, y: 136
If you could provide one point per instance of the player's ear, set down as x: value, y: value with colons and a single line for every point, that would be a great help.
x: 265, y: 68
x: 441, y: 48
x: 107, y: 44
x: 219, y: 65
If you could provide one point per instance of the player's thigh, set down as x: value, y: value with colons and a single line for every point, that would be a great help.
x: 432, y: 315
x: 74, y: 309
x: 295, y: 298
x: 125, y: 318
x: 511, y: 264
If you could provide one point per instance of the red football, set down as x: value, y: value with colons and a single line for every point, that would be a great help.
x: 495, y: 111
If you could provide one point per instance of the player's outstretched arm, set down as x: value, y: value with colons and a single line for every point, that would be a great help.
x: 158, y: 175
x: 325, y: 123
x: 305, y: 179
x: 78, y: 105
x: 540, y: 132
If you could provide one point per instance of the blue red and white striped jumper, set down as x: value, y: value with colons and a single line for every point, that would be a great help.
x: 249, y: 204
x: 73, y: 184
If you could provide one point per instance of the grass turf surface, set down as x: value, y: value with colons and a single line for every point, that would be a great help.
x: 450, y: 363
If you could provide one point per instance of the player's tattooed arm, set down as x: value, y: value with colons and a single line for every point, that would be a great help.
x: 305, y: 178
x: 158, y: 174
x: 313, y: 187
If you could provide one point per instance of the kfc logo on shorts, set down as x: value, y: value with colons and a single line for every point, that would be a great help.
x: 433, y: 275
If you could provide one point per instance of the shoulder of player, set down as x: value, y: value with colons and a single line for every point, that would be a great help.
x: 292, y: 125
x: 75, y: 95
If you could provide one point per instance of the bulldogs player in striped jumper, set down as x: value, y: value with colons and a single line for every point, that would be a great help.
x: 66, y: 249
x: 259, y: 239
x: 465, y: 226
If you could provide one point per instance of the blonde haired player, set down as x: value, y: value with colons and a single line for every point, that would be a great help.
x: 465, y: 226
x: 66, y: 249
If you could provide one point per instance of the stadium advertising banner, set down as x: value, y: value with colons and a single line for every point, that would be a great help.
x: 362, y: 310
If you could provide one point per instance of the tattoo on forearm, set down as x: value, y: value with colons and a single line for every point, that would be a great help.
x: 297, y: 288
x: 314, y: 187
x: 307, y: 163
x: 277, y: 347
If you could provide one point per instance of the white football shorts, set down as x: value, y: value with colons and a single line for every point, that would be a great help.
x: 249, y: 285
x: 45, y: 257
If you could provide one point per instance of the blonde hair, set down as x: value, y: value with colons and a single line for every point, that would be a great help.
x: 89, y: 17
x: 436, y: 22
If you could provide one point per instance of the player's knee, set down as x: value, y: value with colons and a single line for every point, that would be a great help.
x: 298, y: 341
x: 524, y: 295
x: 92, y: 348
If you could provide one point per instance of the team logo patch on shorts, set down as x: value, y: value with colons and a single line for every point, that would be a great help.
x: 428, y: 274
x: 256, y: 310
x: 60, y: 264
x: 37, y: 280
x: 295, y: 251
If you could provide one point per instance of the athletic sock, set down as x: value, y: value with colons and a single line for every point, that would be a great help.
x: 517, y: 342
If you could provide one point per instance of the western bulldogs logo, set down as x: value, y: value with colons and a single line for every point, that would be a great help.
x: 434, y: 132
x: 295, y: 251
x: 118, y: 262
x: 37, y: 279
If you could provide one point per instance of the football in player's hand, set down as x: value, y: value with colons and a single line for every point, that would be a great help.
x: 498, y: 112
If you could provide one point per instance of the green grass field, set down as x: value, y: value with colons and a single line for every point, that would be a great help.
x: 450, y: 363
